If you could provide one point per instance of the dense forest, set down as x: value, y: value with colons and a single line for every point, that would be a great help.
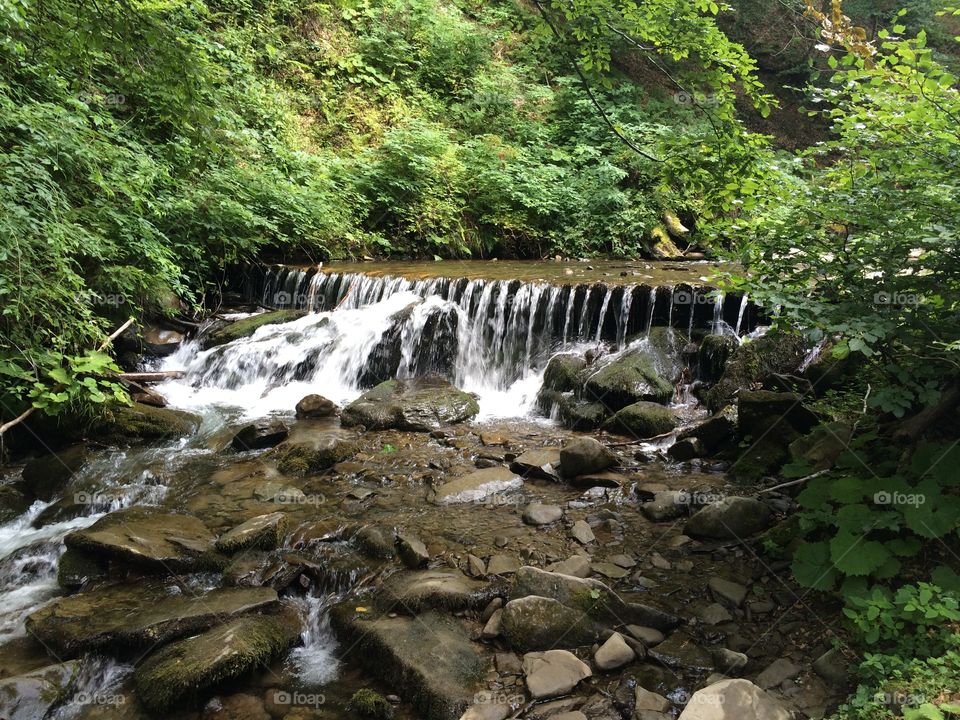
x: 149, y: 147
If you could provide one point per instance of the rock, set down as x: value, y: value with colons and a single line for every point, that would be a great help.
x: 35, y: 694
x: 475, y: 566
x: 143, y: 422
x: 641, y: 420
x: 761, y: 412
x: 45, y: 476
x: 246, y: 327
x: 153, y: 540
x: 316, y: 406
x: 731, y: 518
x: 716, y: 431
x: 821, y: 448
x: 376, y: 541
x: 728, y: 661
x: 647, y: 701
x: 259, y: 435
x: 238, y: 705
x: 712, y: 356
x: 487, y: 711
x: 370, y: 705
x: 572, y: 715
x: 308, y: 457
x: 662, y: 246
x: 543, y: 463
x: 647, y: 635
x: 222, y: 653
x: 502, y: 565
x: 714, y: 614
x: 733, y: 700
x: 552, y: 673
x: 137, y: 616
x: 605, y: 479
x: 414, y: 591
x: 412, y: 551
x: 263, y: 531
x: 562, y: 373
x: 430, y: 657
x: 582, y: 533
x: 666, y: 505
x: 13, y: 503
x: 591, y: 597
x: 609, y: 570
x: 728, y: 592
x: 585, y: 455
x: 418, y: 405
x: 75, y: 569
x: 680, y: 651
x: 627, y: 379
x: 614, y: 653
x: 752, y: 361
x: 579, y: 414
x: 494, y: 626
x: 540, y: 514
x: 778, y: 671
x: 575, y: 565
x: 539, y: 623
x: 476, y: 486
x: 687, y: 449
x: 833, y: 668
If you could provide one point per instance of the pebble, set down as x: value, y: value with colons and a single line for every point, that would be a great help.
x: 492, y: 628
x: 613, y: 653
x: 778, y: 671
x: 624, y: 561
x: 647, y: 635
x: 539, y: 514
x: 715, y: 614
x: 609, y: 570
x: 582, y: 533
x: 659, y: 561
x: 728, y: 592
x: 502, y: 565
x: 576, y: 565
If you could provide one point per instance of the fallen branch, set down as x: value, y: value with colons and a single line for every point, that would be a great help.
x: 147, y: 377
x: 794, y: 482
x: 642, y: 440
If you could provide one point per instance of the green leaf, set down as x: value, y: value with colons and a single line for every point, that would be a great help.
x: 812, y: 567
x: 854, y: 555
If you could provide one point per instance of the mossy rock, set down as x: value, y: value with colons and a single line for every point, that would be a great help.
x: 181, y: 671
x: 76, y: 568
x: 145, y: 422
x: 301, y: 458
x: 248, y: 326
x: 418, y: 405
x: 712, y: 356
x: 562, y: 373
x: 13, y: 503
x: 662, y: 246
x: 264, y: 531
x: 371, y: 705
x: 774, y: 353
x: 538, y: 623
x: 625, y: 380
x: 641, y: 420
x: 580, y: 414
x: 763, y: 457
x: 47, y: 475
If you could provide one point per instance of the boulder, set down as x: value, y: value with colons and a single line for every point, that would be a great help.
x: 716, y: 432
x: 585, y: 455
x: 821, y: 447
x: 762, y: 412
x: 733, y: 700
x: 419, y: 405
x: 712, y: 356
x: 539, y: 623
x: 151, y: 539
x: 75, y: 569
x: 563, y: 372
x: 161, y: 342
x: 540, y: 514
x: 187, y: 667
x: 299, y: 458
x: 641, y: 420
x: 412, y: 550
x: 13, y: 503
x: 591, y: 597
x: 625, y: 380
x: 35, y: 694
x: 614, y: 653
x: 543, y: 463
x: 476, y: 486
x: 429, y: 658
x: 45, y: 476
x: 779, y: 670
x: 553, y: 673
x: 666, y: 505
x: 140, y: 615
x: 261, y: 434
x: 371, y: 705
x: 687, y: 449
x: 144, y: 422
x: 316, y: 406
x: 731, y: 518
x: 245, y: 327
x: 414, y: 591
x: 581, y: 415
x: 753, y: 361
x: 264, y: 531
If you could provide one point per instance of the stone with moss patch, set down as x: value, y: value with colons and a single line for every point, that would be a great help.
x: 540, y: 623
x: 752, y: 362
x: 712, y: 356
x: 371, y: 705
x: 418, y: 405
x: 264, y: 531
x: 181, y: 671
x: 76, y: 568
x: 306, y: 457
x: 246, y: 327
x: 563, y: 372
x: 627, y: 379
x: 144, y: 422
x: 641, y: 420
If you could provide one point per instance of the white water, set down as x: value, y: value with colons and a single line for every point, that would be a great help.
x: 315, y: 662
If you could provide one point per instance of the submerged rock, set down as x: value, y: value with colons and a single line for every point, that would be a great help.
x: 151, y: 539
x: 732, y: 518
x: 733, y: 700
x: 476, y: 486
x: 563, y: 372
x: 305, y: 457
x: 712, y: 356
x: 716, y: 431
x: 261, y: 434
x: 641, y: 420
x: 182, y: 670
x: 419, y: 405
x: 246, y: 327
x: 75, y: 569
x: 628, y: 379
x: 137, y: 615
x: 371, y: 705
x: 429, y: 658
x: 585, y: 455
x: 680, y: 651
x: 540, y: 514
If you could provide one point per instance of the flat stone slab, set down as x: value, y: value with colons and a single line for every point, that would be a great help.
x: 429, y: 659
x: 477, y: 486
x: 155, y: 540
x: 137, y: 615
x: 263, y: 531
x: 680, y: 651
x: 413, y: 591
x: 543, y: 463
x: 553, y: 673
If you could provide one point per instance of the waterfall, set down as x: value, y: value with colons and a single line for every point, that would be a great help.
x: 717, y: 313
x: 653, y: 306
x: 744, y: 301
x: 603, y: 313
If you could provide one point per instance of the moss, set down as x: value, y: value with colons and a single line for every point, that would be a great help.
x: 641, y: 420
x: 300, y: 459
x: 248, y: 326
x: 627, y: 380
x: 371, y: 705
x: 562, y: 373
x: 752, y: 362
x: 145, y: 422
x: 185, y: 668
x: 662, y: 245
x: 764, y: 457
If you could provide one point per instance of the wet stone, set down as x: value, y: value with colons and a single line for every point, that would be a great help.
x: 539, y: 514
x: 259, y: 435
x: 264, y: 531
x: 614, y: 653
x: 680, y: 651
x: 502, y: 565
x: 542, y: 463
x: 476, y: 486
x: 412, y: 551
x: 728, y: 592
x: 414, y: 591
